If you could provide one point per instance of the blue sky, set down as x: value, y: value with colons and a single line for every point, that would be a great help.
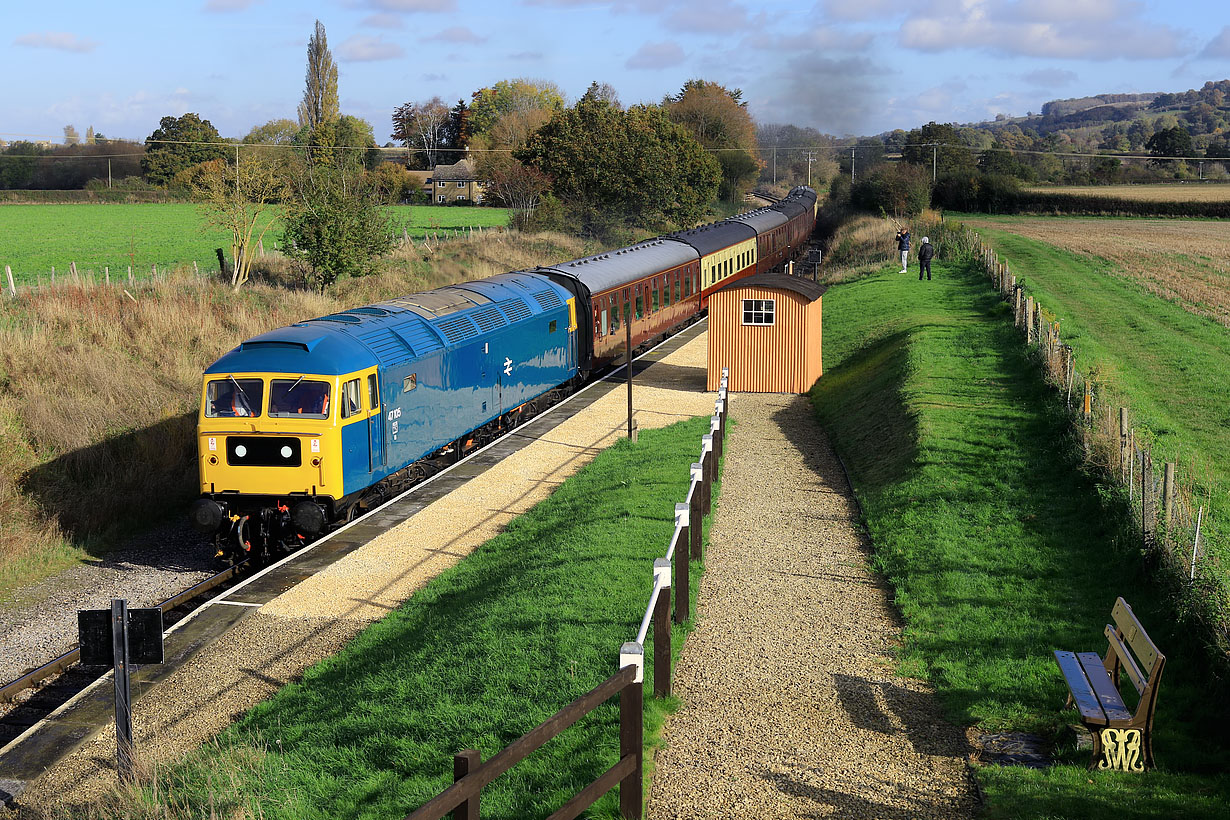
x: 842, y: 66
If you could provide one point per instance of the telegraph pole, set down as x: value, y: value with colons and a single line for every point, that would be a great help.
x: 774, y: 164
x: 935, y: 147
x: 851, y: 165
x: 810, y: 157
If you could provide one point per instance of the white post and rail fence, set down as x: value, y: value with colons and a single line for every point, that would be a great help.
x: 471, y: 773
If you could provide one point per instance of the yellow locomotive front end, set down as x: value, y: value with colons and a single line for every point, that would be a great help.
x: 269, y: 457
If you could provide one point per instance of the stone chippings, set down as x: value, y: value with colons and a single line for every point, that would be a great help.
x: 317, y: 617
x: 791, y: 707
x: 39, y: 622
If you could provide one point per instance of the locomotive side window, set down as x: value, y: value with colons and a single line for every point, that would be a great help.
x: 373, y: 391
x: 231, y: 397
x: 409, y: 383
x: 298, y: 398
x: 352, y: 399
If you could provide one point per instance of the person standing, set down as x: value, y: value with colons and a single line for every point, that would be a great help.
x: 925, y: 254
x: 903, y: 245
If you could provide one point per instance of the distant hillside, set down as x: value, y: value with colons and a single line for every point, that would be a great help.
x: 1123, y: 122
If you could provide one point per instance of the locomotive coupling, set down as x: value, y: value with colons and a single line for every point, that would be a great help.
x: 308, y: 518
x: 206, y: 515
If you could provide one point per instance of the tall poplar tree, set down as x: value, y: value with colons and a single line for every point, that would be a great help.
x: 320, y: 97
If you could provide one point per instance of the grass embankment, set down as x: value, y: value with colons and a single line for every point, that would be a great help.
x: 489, y: 649
x: 98, y: 391
x: 999, y: 548
x: 1170, y: 367
x: 36, y: 238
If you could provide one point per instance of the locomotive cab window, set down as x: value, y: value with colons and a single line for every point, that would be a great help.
x: 298, y: 398
x: 373, y: 391
x: 759, y: 311
x: 352, y: 399
x: 232, y: 398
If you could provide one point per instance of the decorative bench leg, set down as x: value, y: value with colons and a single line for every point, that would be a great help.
x: 1125, y: 750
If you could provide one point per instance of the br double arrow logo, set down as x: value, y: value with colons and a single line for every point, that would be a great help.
x: 507, y: 367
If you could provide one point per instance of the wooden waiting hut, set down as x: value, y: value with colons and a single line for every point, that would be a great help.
x: 766, y: 329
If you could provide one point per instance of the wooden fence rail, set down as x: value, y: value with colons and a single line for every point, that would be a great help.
x: 471, y: 774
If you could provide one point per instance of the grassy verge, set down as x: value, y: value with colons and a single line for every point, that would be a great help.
x: 998, y: 547
x: 489, y: 649
x: 98, y: 390
x: 1171, y: 368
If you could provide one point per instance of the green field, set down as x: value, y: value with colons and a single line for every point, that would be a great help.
x: 999, y: 548
x: 35, y: 238
x: 489, y: 649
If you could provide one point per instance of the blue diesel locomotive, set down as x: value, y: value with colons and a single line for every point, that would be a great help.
x: 304, y: 426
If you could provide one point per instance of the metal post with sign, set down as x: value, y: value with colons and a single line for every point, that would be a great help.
x: 119, y: 637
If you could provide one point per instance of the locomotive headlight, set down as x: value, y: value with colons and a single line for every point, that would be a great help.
x: 287, y: 452
x: 213, y: 460
x: 241, y: 451
x: 316, y: 462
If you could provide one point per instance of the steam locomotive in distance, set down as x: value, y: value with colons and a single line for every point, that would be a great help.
x: 305, y: 426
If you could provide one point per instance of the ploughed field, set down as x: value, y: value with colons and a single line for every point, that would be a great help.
x: 35, y: 238
x: 1161, y: 192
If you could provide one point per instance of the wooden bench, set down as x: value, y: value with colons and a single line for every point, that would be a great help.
x: 1122, y: 738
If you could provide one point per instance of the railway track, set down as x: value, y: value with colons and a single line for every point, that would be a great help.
x: 73, y: 705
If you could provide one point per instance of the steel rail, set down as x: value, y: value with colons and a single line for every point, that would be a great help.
x: 30, y: 679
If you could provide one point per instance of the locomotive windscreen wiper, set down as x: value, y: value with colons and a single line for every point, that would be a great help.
x: 293, y: 386
x: 243, y: 397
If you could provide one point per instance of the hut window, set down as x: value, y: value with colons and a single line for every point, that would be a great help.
x: 759, y: 311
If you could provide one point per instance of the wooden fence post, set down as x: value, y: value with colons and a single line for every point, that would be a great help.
x: 1087, y: 407
x: 1029, y: 320
x: 72, y: 268
x: 130, y: 274
x: 696, y: 510
x: 683, y: 563
x: 1168, y: 494
x: 631, y: 736
x: 464, y: 763
x: 662, y: 628
x: 1123, y: 444
x: 107, y: 274
x: 53, y: 274
x: 1148, y: 501
x: 8, y: 271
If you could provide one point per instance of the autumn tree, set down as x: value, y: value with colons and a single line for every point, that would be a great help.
x: 717, y: 117
x: 489, y: 104
x: 178, y: 144
x: 938, y: 145
x: 241, y: 197
x: 423, y: 128
x: 611, y: 166
x: 1170, y: 142
x: 512, y: 184
x: 319, y: 103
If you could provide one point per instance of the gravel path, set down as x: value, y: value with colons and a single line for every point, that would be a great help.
x: 795, y: 638
x: 39, y: 622
x: 320, y: 615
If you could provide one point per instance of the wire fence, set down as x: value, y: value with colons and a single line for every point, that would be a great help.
x: 1173, y: 509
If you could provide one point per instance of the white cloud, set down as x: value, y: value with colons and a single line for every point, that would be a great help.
x: 656, y: 55
x: 456, y: 34
x: 1097, y: 30
x: 860, y: 10
x: 526, y: 55
x: 708, y: 16
x: 59, y: 40
x: 415, y: 5
x: 1050, y: 77
x: 382, y: 20
x: 364, y: 48
x: 229, y: 5
x: 1219, y: 47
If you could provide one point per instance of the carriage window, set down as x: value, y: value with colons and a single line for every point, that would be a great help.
x: 352, y: 399
x: 758, y: 311
x: 640, y: 304
x: 666, y: 290
x: 687, y: 285
x: 604, y: 325
x: 614, y: 314
x: 289, y: 398
x: 231, y: 397
x: 677, y: 287
x: 654, y: 309
x: 373, y: 391
x: 627, y: 309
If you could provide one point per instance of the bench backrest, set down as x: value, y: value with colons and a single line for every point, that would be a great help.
x: 1127, y: 633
